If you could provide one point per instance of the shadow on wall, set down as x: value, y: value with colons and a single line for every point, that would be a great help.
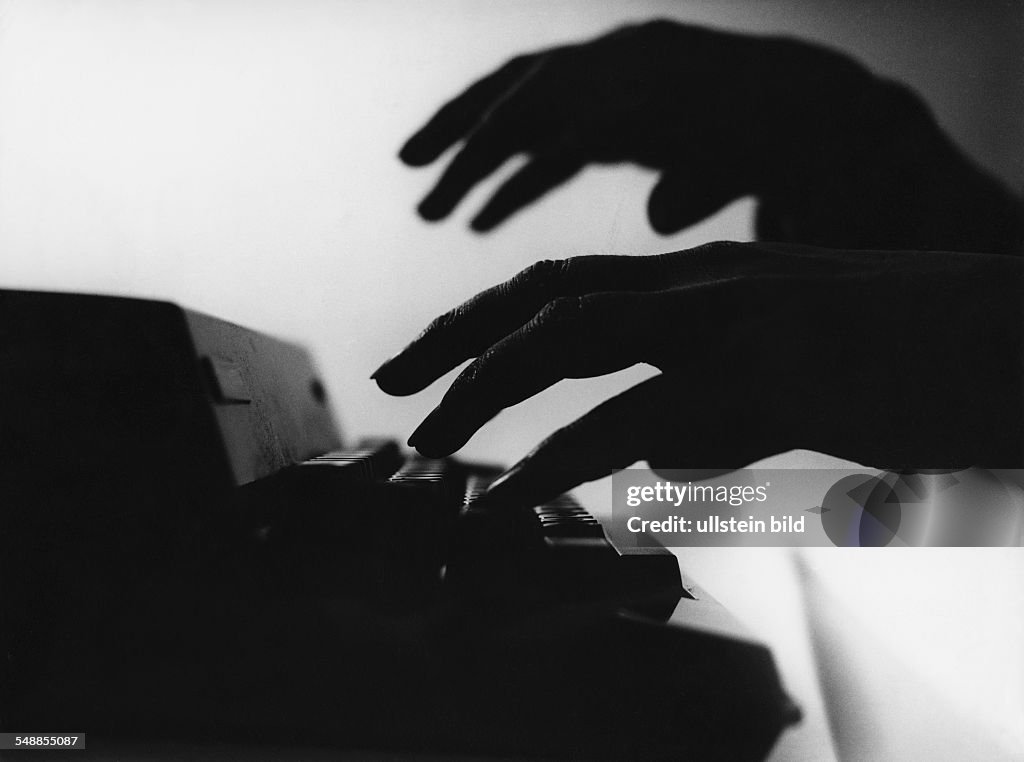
x: 240, y: 158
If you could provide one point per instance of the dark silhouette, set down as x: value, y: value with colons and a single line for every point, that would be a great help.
x: 836, y: 155
x: 906, y: 355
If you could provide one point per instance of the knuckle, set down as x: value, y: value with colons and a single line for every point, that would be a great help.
x: 464, y: 383
x: 721, y: 248
x: 543, y: 276
x: 519, y: 62
x: 540, y: 270
x: 720, y: 259
x: 443, y: 323
x: 564, y: 309
x: 660, y: 25
x: 503, y: 123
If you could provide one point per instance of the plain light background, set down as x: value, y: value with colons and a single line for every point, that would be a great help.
x: 239, y: 158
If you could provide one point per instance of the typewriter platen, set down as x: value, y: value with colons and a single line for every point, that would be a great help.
x: 190, y: 552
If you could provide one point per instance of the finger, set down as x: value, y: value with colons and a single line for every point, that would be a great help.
x: 472, y: 327
x: 681, y: 199
x: 486, y: 149
x: 458, y: 116
x: 700, y: 424
x: 571, y: 337
x: 614, y: 435
x: 523, y: 188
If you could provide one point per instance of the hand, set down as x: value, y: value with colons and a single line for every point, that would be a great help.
x: 837, y: 156
x: 886, y: 358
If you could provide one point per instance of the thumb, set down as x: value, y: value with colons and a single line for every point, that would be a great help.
x: 681, y: 199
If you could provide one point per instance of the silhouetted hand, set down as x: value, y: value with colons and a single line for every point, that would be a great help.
x: 889, y: 359
x: 837, y: 156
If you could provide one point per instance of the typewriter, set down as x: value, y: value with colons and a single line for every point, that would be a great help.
x: 192, y: 552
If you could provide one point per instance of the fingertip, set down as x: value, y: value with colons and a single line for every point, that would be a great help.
x: 663, y: 223
x: 662, y: 210
x: 484, y: 223
x: 428, y: 437
x: 527, y: 485
x: 432, y: 452
x: 392, y: 379
x: 407, y: 155
x: 384, y: 385
x: 493, y: 214
x: 433, y: 209
x: 397, y: 387
x: 489, y: 217
x: 525, y: 187
x: 501, y: 483
x: 415, y: 153
x: 428, y: 448
x: 680, y: 200
x: 382, y: 375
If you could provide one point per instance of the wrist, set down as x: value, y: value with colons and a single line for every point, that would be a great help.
x: 864, y: 164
